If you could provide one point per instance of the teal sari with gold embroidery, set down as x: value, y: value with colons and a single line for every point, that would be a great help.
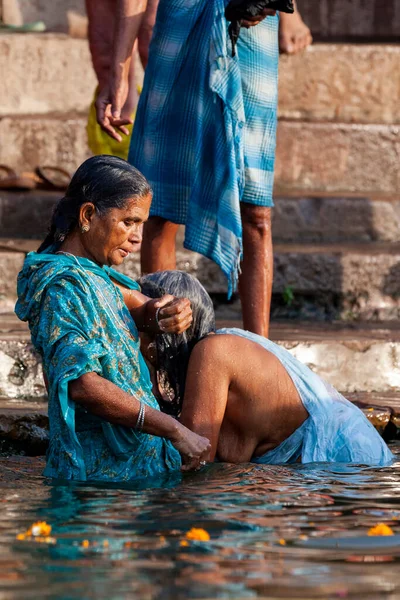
x: 79, y: 324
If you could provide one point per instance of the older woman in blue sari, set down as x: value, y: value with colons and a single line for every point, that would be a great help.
x: 105, y: 423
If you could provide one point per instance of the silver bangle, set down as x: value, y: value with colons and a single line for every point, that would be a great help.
x: 140, y: 419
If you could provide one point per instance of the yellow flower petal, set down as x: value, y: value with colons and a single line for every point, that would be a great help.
x: 40, y: 528
x: 381, y: 529
x: 198, y: 534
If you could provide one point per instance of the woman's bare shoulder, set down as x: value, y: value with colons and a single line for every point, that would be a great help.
x: 215, y: 349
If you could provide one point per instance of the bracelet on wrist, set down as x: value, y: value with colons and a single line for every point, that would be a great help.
x: 140, y: 419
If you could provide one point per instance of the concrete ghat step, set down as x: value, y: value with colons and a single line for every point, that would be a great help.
x: 303, y: 218
x: 354, y: 358
x: 336, y: 158
x: 24, y: 426
x: 57, y: 14
x: 356, y: 83
x: 307, y: 218
x: 361, y: 280
x: 327, y: 18
x: 355, y: 19
x: 43, y: 73
x: 341, y: 82
x: 57, y: 140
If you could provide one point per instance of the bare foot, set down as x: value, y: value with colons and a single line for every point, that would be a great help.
x: 294, y: 35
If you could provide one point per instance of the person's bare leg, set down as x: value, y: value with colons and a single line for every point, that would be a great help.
x: 255, y: 282
x: 158, y: 246
x: 146, y: 31
x: 294, y: 35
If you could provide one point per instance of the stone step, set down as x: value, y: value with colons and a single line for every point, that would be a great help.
x: 341, y: 82
x: 26, y: 214
x: 301, y: 218
x: 352, y: 19
x: 311, y: 157
x: 336, y: 280
x: 304, y: 218
x: 24, y: 427
x: 347, y: 83
x: 58, y: 140
x: 355, y: 358
x: 43, y: 73
x: 328, y: 19
x: 337, y: 158
x: 58, y: 15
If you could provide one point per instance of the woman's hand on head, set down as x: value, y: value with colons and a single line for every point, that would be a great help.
x: 193, y: 448
x: 174, y: 314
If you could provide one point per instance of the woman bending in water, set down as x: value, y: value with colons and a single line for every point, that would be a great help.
x: 105, y: 423
x: 250, y: 397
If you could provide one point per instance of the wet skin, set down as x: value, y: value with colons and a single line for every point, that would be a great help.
x: 240, y: 397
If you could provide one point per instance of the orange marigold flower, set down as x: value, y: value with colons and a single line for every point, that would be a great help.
x: 381, y: 529
x: 282, y: 542
x: 40, y: 528
x: 85, y: 543
x: 21, y: 536
x: 184, y: 543
x: 198, y: 534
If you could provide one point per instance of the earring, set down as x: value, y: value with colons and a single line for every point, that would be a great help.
x: 85, y: 228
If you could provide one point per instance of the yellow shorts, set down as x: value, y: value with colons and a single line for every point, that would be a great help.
x: 100, y: 142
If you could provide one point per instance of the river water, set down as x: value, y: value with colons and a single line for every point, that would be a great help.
x: 275, y: 532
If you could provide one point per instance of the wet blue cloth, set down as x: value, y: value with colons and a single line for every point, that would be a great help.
x: 80, y: 324
x: 335, y: 431
x: 205, y: 128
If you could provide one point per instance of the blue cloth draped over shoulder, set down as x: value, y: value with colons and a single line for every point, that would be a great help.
x: 205, y: 128
x: 335, y: 431
x: 80, y: 324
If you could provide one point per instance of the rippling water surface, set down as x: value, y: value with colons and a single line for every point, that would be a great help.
x: 276, y: 532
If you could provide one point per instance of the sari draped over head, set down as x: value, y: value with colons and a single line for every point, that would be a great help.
x: 80, y: 324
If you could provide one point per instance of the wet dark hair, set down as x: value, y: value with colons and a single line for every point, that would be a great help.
x: 174, y: 350
x: 106, y: 181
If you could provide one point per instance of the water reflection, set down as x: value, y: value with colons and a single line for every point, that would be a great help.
x: 287, y: 532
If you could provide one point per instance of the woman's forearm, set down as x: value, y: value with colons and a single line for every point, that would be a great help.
x: 107, y: 401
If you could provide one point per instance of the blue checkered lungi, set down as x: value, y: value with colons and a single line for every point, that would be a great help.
x: 205, y: 128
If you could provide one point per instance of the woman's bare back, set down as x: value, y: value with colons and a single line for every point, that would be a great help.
x: 241, y: 397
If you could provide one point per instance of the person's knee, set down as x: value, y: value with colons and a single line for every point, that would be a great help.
x: 256, y: 219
